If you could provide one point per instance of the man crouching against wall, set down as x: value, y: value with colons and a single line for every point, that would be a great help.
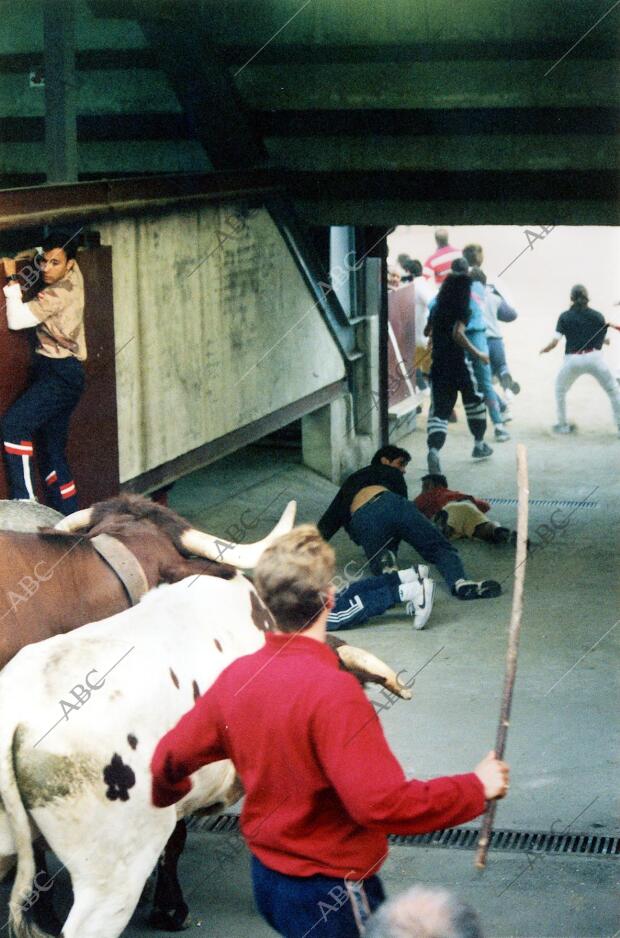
x: 323, y: 788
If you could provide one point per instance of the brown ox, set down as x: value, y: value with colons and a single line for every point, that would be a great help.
x: 54, y: 581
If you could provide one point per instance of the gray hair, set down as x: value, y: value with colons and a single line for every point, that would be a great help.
x: 424, y: 913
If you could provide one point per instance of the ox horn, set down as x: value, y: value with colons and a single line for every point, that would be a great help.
x: 244, y: 556
x: 372, y: 669
x: 76, y: 521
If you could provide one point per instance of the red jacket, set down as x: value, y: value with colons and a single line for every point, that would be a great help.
x: 429, y: 503
x: 322, y: 785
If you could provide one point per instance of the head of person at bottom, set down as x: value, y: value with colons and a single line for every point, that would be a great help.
x: 391, y: 455
x: 579, y: 296
x: 434, y: 480
x: 294, y: 579
x: 424, y: 913
x: 58, y: 257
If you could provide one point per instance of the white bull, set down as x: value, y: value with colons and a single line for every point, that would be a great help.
x: 82, y: 714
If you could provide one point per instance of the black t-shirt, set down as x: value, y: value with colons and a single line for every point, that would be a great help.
x: 584, y: 329
x: 339, y: 512
x: 448, y: 357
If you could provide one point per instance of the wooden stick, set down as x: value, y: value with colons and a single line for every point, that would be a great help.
x: 513, y: 645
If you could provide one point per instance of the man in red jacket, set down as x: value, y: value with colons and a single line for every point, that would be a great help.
x: 458, y: 514
x: 322, y: 786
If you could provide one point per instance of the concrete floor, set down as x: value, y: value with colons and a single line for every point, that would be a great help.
x: 563, y: 744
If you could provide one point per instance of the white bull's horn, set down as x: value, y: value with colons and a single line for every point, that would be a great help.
x: 244, y: 556
x: 372, y: 668
x: 76, y: 521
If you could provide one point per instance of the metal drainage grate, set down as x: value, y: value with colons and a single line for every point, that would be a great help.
x: 463, y: 838
x: 545, y: 502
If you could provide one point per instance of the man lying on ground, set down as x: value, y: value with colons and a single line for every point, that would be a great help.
x: 457, y: 514
x: 373, y: 507
x: 374, y: 595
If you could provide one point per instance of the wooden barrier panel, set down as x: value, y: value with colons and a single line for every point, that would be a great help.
x: 401, y: 314
x: 93, y: 437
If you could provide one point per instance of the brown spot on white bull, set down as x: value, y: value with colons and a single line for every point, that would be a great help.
x: 261, y: 617
x: 217, y: 644
x: 175, y: 679
x: 196, y: 689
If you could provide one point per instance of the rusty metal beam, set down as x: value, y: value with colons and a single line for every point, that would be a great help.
x: 41, y: 205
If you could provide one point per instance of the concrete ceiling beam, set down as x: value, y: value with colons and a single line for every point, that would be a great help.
x: 434, y: 85
x: 451, y: 154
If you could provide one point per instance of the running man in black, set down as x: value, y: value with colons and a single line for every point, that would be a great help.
x: 584, y: 330
x: 451, y: 372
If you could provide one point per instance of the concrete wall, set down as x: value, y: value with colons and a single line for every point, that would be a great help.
x: 215, y: 328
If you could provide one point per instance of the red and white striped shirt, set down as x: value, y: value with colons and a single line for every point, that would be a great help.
x: 438, y: 265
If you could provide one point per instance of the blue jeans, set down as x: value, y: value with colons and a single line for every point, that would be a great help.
x: 314, y: 906
x: 42, y: 414
x: 497, y: 354
x: 484, y: 376
x: 383, y: 523
x: 362, y: 600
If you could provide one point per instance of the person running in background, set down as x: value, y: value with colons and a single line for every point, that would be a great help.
x: 458, y: 514
x: 374, y: 595
x: 437, y: 266
x: 497, y: 310
x: 501, y: 309
x: 424, y: 291
x: 404, y: 261
x: 451, y: 372
x: 373, y: 507
x: 584, y: 330
x: 477, y: 334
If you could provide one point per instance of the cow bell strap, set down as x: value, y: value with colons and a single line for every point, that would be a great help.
x: 125, y: 565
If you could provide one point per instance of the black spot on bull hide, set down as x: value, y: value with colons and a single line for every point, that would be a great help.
x: 132, y: 740
x: 261, y: 617
x: 119, y: 778
x: 175, y: 679
x: 195, y: 690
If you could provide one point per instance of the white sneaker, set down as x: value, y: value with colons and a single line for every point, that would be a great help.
x: 421, y: 607
x: 410, y: 574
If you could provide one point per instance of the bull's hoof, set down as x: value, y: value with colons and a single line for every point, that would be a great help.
x: 174, y: 920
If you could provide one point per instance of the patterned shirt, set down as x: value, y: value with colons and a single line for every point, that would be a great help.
x: 60, y: 310
x: 439, y: 264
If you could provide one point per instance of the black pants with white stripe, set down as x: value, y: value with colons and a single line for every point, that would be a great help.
x: 38, y: 422
x: 363, y: 600
x: 445, y: 388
